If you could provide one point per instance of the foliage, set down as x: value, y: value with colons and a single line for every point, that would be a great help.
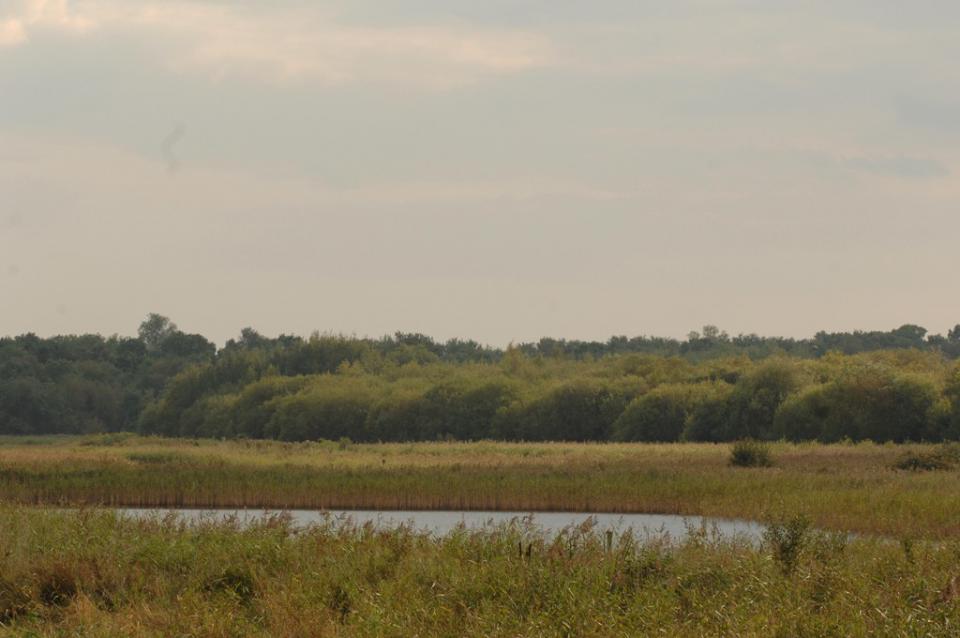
x: 750, y: 453
x: 408, y: 387
x: 658, y: 415
x: 787, y: 538
x: 944, y: 457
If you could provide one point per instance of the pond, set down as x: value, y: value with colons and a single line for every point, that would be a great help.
x: 440, y: 523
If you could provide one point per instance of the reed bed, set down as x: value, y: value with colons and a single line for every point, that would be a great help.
x: 94, y: 573
x: 856, y: 488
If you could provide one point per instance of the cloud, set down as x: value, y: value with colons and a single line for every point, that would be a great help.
x: 12, y: 33
x: 288, y: 49
x: 55, y: 13
x: 937, y: 115
x: 97, y: 173
x: 23, y: 17
x: 900, y: 166
x: 290, y: 44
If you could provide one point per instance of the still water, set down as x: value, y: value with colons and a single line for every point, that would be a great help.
x: 440, y: 523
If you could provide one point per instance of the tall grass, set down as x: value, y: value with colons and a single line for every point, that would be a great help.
x: 92, y: 573
x: 840, y: 487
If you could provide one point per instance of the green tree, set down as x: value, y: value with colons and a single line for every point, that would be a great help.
x: 756, y: 398
x: 659, y: 415
x: 954, y: 334
x: 154, y: 330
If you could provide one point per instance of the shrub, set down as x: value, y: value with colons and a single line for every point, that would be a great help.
x: 329, y: 408
x: 750, y: 453
x: 107, y: 440
x: 756, y: 399
x: 709, y: 412
x: 945, y: 457
x: 464, y: 408
x: 156, y: 458
x: 659, y: 415
x: 875, y: 403
x: 581, y: 410
x: 233, y: 581
x: 865, y: 401
x: 803, y: 415
x: 13, y: 600
x: 952, y: 413
x: 397, y: 414
x: 787, y: 539
x: 56, y: 586
x: 254, y: 406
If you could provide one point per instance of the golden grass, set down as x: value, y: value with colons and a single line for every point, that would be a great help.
x: 842, y: 487
x: 91, y: 573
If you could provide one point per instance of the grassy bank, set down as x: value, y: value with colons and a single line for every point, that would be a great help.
x: 90, y: 573
x: 840, y: 487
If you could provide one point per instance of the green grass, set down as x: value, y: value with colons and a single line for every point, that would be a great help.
x: 91, y: 573
x: 856, y: 488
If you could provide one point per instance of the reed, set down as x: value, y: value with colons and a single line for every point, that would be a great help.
x: 94, y: 573
x: 857, y: 488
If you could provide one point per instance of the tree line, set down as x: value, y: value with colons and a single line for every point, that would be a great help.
x: 891, y: 386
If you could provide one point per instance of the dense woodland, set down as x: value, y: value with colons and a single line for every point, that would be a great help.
x: 885, y: 386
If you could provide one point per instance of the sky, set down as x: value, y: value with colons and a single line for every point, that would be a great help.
x: 497, y: 170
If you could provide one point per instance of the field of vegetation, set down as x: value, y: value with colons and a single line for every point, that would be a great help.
x: 902, y: 385
x: 899, y: 491
x: 848, y: 432
x: 93, y: 573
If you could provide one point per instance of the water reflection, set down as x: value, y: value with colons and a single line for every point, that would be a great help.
x: 440, y: 523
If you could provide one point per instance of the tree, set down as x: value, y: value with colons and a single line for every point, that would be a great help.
x: 756, y: 399
x: 186, y: 346
x: 154, y: 331
x: 911, y: 334
x: 659, y: 415
x: 713, y: 333
x: 250, y: 338
x: 954, y: 334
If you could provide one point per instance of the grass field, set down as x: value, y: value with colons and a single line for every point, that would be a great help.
x: 839, y: 487
x: 91, y: 573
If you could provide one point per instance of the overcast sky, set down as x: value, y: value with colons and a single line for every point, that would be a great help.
x: 500, y: 170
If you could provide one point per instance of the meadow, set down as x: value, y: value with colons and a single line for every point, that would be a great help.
x: 94, y: 573
x: 882, y: 490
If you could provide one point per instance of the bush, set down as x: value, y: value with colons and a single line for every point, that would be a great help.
x: 581, y: 410
x: 803, y: 415
x: 13, y: 600
x: 254, y: 407
x: 57, y: 585
x: 945, y: 457
x: 786, y: 539
x: 879, y: 404
x: 234, y: 582
x: 756, y: 399
x: 156, y: 458
x: 464, y: 408
x: 952, y: 413
x: 709, y: 413
x: 397, y: 415
x: 329, y: 408
x: 750, y: 454
x: 659, y: 415
x: 865, y: 401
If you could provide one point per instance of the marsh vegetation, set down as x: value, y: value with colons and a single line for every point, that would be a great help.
x: 93, y: 573
x: 860, y: 488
